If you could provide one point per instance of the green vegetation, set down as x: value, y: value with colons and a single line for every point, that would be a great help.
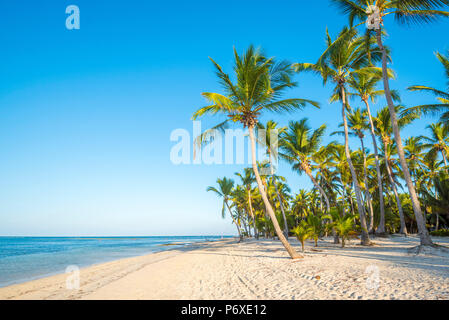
x: 399, y: 186
x: 440, y: 233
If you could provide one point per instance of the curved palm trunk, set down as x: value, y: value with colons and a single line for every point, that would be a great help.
x: 279, y: 197
x: 367, y: 194
x: 291, y: 251
x: 360, y: 207
x: 308, y: 172
x: 235, y: 222
x: 381, y: 228
x: 422, y: 230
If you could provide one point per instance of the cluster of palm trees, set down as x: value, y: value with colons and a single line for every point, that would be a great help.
x: 328, y: 169
x: 348, y: 182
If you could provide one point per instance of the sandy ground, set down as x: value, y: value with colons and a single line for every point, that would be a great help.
x: 259, y: 270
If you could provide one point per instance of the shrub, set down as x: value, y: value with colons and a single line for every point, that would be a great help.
x: 440, y: 233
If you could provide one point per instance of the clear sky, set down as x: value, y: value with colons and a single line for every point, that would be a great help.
x: 86, y: 115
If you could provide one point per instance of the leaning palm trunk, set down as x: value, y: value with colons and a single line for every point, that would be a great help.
x: 235, y: 222
x: 306, y: 169
x: 293, y: 254
x: 422, y: 230
x: 360, y: 207
x: 367, y: 194
x: 381, y: 228
x: 278, y: 196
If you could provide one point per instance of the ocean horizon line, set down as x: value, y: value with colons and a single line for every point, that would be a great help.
x: 112, y: 236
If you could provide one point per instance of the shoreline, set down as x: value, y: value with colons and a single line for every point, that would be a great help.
x: 256, y: 269
x: 164, y: 248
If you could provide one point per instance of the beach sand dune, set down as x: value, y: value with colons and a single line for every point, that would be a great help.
x: 259, y: 270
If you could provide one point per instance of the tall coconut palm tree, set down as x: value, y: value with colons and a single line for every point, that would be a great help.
x: 427, y: 175
x: 342, y: 168
x: 300, y: 147
x: 384, y: 130
x: 414, y: 153
x: 224, y: 190
x: 404, y: 12
x: 272, y: 132
x: 442, y: 96
x: 299, y: 143
x: 247, y: 180
x: 357, y: 122
x: 259, y: 85
x: 438, y: 142
x: 391, y: 168
x: 364, y: 86
x: 324, y: 164
x: 344, y: 57
x: 238, y: 198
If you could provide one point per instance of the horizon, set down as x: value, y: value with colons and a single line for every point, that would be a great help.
x: 86, y: 115
x: 111, y: 236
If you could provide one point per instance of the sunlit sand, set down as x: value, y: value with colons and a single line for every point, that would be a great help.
x: 259, y: 270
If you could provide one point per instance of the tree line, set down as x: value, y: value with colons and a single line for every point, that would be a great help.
x: 399, y: 186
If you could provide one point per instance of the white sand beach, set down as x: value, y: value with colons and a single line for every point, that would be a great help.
x: 259, y: 270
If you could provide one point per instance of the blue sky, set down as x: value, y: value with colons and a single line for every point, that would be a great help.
x: 86, y: 115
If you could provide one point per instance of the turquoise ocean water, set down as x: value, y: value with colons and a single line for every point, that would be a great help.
x: 28, y: 258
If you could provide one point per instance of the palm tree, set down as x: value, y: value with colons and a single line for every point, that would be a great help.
x: 271, y: 143
x: 225, y: 187
x: 427, y: 174
x: 342, y: 168
x: 298, y: 144
x: 239, y: 200
x: 390, y: 167
x: 405, y: 12
x: 365, y: 87
x: 343, y: 225
x: 302, y: 232
x: 325, y: 177
x: 438, y: 142
x: 259, y: 86
x: 442, y: 96
x: 440, y: 199
x: 324, y: 163
x: 300, y: 203
x: 414, y: 154
x: 358, y: 124
x: 316, y: 227
x: 384, y: 130
x: 247, y: 180
x: 343, y: 58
